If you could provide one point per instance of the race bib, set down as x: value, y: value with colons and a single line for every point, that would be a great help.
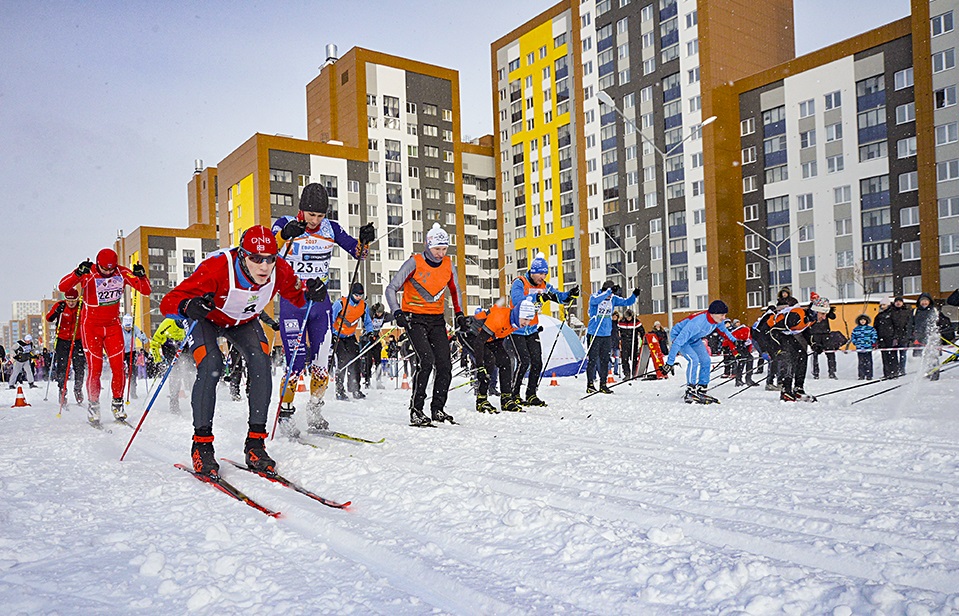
x: 605, y: 307
x: 310, y: 254
x: 109, y: 290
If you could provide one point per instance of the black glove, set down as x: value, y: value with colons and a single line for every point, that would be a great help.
x: 58, y: 311
x: 367, y: 233
x: 315, y: 290
x: 574, y: 292
x: 294, y: 228
x: 667, y: 369
x: 542, y: 298
x: 139, y: 271
x: 817, y: 348
x: 615, y: 289
x: 462, y: 323
x: 84, y: 268
x: 197, y: 308
x: 635, y: 292
x: 401, y: 319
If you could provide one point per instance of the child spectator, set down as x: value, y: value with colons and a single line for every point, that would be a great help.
x: 864, y: 336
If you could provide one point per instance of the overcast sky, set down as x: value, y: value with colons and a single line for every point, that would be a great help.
x: 105, y: 105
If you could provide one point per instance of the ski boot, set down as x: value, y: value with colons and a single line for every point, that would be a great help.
x: 255, y: 450
x: 534, y: 400
x: 359, y: 395
x: 341, y: 395
x: 202, y: 454
x: 483, y: 404
x: 787, y: 395
x: 800, y: 394
x: 78, y: 394
x: 832, y: 376
x: 366, y: 384
x: 604, y: 389
x: 93, y: 413
x: 33, y: 385
x: 511, y: 403
x: 590, y: 389
x: 286, y: 424
x: 419, y: 420
x: 439, y: 416
x: 705, y: 398
x: 691, y: 395
x: 118, y: 412
x: 315, y: 422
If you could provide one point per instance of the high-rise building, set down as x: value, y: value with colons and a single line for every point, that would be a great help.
x: 24, y: 308
x: 613, y: 199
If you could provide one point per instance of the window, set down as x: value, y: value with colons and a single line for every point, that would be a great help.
x: 807, y: 108
x: 906, y: 147
x: 834, y: 164
x: 749, y: 184
x: 843, y: 227
x: 949, y: 244
x: 777, y: 204
x: 749, y: 155
x: 693, y: 75
x: 947, y: 133
x: 842, y: 194
x: 695, y: 103
x: 281, y: 175
x: 945, y: 171
x: 833, y: 100
x: 906, y: 113
x: 753, y: 271
x: 943, y: 60
x: 752, y: 241
x: 747, y: 127
x: 804, y: 202
x: 949, y: 207
x: 809, y: 170
x: 750, y: 212
x: 844, y: 258
x: 777, y: 174
x: 807, y: 264
x: 903, y: 78
x: 649, y: 66
x: 692, y: 47
x: 655, y: 253
x: 807, y: 139
x: 701, y: 272
x: 774, y: 115
x: 910, y: 251
x: 946, y: 97
x: 754, y: 299
x: 911, y: 285
x: 872, y: 151
x: 909, y: 181
x: 807, y: 233
x: 833, y: 132
x: 909, y: 216
x: 692, y: 19
x: 775, y: 144
x: 942, y: 23
x: 696, y: 160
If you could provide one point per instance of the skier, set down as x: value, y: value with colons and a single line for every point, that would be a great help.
x: 237, y: 369
x: 788, y: 332
x: 163, y: 347
x: 492, y: 328
x: 601, y: 305
x: 631, y: 335
x: 525, y: 340
x: 102, y: 286
x: 224, y: 296
x: 864, y: 338
x: 378, y: 318
x: 742, y: 354
x: 765, y: 346
x: 425, y: 279
x: 688, y: 336
x: 347, y: 315
x: 309, y: 240
x: 66, y: 313
x: 22, y: 356
x: 129, y: 350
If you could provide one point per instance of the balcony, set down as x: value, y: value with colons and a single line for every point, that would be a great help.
x: 872, y: 133
x: 565, y: 186
x: 610, y: 193
x: 607, y: 144
x: 564, y: 141
x: 612, y: 243
x: 675, y: 176
x: 517, y: 158
x: 678, y: 258
x: 566, y: 209
x: 562, y: 73
x: 604, y: 44
x: 673, y: 121
x: 515, y: 95
x: 676, y: 231
x: 871, y: 101
x: 390, y: 155
x: 785, y: 277
x: 869, y: 201
x: 672, y: 93
x: 613, y: 269
x: 518, y: 179
x: 520, y: 200
x: 774, y: 159
x: 783, y: 250
x: 879, y: 233
x: 516, y: 117
x: 670, y: 11
x: 606, y: 119
x: 562, y: 95
x: 775, y: 219
x: 610, y: 168
x: 569, y: 255
x: 394, y: 199
x: 774, y: 128
x: 670, y: 39
x: 566, y: 163
x: 877, y: 266
x: 679, y: 286
x: 394, y: 221
x: 606, y: 69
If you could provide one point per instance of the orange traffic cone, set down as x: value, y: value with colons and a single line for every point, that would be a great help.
x: 404, y: 384
x: 609, y: 379
x: 302, y: 384
x: 21, y: 399
x: 553, y: 382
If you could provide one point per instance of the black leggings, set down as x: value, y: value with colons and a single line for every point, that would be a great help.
x: 77, y: 364
x: 427, y: 334
x: 346, y: 351
x: 250, y: 341
x: 792, y: 360
x: 529, y: 355
x: 494, y: 357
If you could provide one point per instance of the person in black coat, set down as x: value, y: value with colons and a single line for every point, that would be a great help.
x: 886, y: 332
x: 663, y: 336
x: 902, y: 321
x: 631, y: 336
x: 820, y: 342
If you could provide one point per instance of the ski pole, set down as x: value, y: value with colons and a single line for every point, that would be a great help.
x: 363, y: 352
x: 66, y: 375
x: 342, y: 316
x: 133, y: 346
x: 555, y: 340
x: 156, y: 393
x: 588, y: 347
x: 928, y: 373
x: 289, y: 366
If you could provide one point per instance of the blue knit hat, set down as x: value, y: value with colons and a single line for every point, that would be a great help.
x: 539, y: 264
x: 718, y: 306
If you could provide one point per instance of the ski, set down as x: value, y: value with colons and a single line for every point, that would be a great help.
x: 599, y: 391
x: 283, y: 481
x: 345, y: 437
x: 99, y: 426
x: 124, y: 422
x: 229, y: 490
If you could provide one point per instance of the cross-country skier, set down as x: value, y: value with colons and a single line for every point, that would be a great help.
x: 22, y: 356
x: 425, y: 279
x: 102, y: 285
x: 787, y: 330
x: 372, y: 361
x: 601, y: 305
x: 163, y: 348
x: 348, y: 314
x: 224, y: 296
x: 493, y: 327
x: 687, y: 336
x: 309, y: 239
x: 66, y: 313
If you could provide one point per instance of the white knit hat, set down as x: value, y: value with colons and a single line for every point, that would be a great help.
x: 527, y: 310
x: 437, y: 237
x: 127, y: 320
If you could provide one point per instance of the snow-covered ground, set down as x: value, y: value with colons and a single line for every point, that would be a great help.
x: 633, y: 503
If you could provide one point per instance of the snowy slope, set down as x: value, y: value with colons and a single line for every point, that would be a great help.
x: 633, y: 503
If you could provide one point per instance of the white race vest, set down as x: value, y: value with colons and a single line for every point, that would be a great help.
x: 605, y: 307
x: 243, y: 304
x: 310, y: 253
x: 109, y: 290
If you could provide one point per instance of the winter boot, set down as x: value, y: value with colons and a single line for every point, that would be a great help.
x: 315, y: 422
x: 93, y: 413
x: 535, y: 400
x: 33, y: 385
x: 341, y: 395
x: 705, y: 398
x: 832, y: 375
x: 439, y: 416
x: 691, y: 395
x: 418, y: 419
x: 590, y: 389
x: 510, y: 403
x: 286, y: 424
x: 78, y: 394
x: 604, y: 389
x: 787, y: 395
x: 800, y: 394
x: 204, y: 458
x: 117, y: 407
x: 483, y: 404
x: 255, y: 450
x: 359, y: 395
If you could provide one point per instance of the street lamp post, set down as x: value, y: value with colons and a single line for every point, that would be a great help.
x: 776, y: 246
x: 606, y: 99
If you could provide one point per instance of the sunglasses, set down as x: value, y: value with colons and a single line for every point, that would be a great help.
x: 258, y: 258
